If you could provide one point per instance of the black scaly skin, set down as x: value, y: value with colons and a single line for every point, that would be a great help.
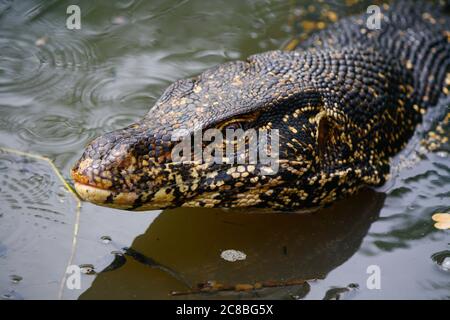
x: 344, y: 102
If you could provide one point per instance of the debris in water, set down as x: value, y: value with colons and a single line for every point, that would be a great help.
x: 119, y: 20
x: 338, y: 293
x: 442, y: 221
x: 87, y: 269
x: 442, y: 259
x: 105, y: 239
x: 42, y: 41
x: 11, y: 295
x: 233, y: 255
x: 15, y: 278
x: 214, y: 286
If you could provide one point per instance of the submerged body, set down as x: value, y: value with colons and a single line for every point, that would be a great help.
x: 344, y: 102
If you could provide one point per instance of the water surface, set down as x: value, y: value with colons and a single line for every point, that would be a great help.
x: 60, y: 88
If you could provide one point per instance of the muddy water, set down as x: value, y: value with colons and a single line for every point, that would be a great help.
x: 60, y: 88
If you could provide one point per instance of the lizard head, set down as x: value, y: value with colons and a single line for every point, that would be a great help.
x: 269, y: 105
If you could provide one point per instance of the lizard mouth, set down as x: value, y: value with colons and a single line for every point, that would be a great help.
x: 101, y: 194
x: 124, y: 200
x: 105, y: 197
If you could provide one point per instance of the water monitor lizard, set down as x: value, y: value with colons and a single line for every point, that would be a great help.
x: 344, y: 102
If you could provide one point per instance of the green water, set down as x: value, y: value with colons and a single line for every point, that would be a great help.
x: 60, y: 88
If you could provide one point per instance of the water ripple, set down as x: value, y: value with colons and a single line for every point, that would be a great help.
x: 105, y: 119
x: 50, y: 128
x: 33, y: 64
x: 28, y: 194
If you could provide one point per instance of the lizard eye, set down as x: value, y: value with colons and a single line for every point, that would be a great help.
x: 232, y: 126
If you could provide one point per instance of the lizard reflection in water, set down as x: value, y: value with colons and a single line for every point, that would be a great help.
x: 278, y: 247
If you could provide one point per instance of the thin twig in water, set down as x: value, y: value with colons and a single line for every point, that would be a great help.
x: 74, y: 194
x: 214, y: 286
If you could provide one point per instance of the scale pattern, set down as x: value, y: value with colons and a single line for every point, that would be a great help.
x: 344, y: 102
